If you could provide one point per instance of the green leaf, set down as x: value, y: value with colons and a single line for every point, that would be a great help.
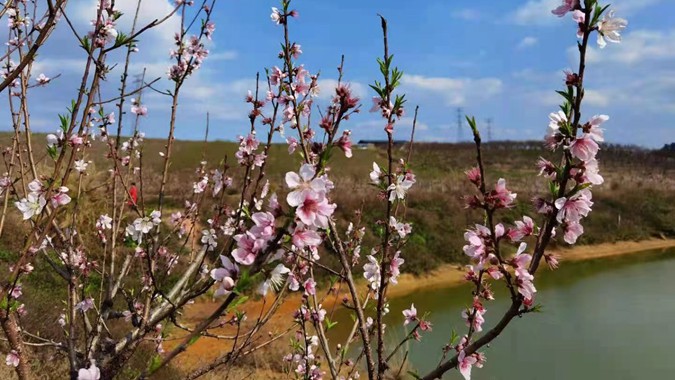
x: 453, y: 337
x: 538, y: 308
x: 237, y: 302
x: 65, y: 122
x: 376, y: 88
x: 329, y: 324
x: 243, y: 283
x: 85, y: 43
x: 53, y: 152
x: 194, y: 339
x: 553, y: 188
x: 154, y: 363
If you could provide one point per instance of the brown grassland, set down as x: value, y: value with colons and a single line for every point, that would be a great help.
x: 636, y: 203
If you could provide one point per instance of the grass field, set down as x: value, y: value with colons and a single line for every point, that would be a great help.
x: 636, y: 202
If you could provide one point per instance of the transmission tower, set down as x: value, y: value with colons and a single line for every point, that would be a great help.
x: 488, y: 121
x: 460, y: 136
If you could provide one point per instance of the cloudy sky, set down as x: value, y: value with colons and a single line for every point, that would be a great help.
x: 494, y: 59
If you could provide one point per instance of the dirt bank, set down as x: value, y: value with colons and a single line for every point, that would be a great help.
x: 453, y: 274
x: 208, y: 349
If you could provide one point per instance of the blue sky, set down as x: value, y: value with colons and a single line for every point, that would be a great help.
x: 497, y: 59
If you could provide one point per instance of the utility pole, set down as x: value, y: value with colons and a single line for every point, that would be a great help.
x: 489, y: 128
x: 460, y: 136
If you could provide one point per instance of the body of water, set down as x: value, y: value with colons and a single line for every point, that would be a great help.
x: 602, y: 319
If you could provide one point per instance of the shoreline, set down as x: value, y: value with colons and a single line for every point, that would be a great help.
x: 449, y: 274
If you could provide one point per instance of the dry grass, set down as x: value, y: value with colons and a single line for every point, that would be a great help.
x: 637, y: 202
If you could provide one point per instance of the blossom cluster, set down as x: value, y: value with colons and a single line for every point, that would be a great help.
x: 35, y: 201
x: 189, y: 55
x: 104, y: 26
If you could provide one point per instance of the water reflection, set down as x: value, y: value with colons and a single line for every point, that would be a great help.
x: 602, y: 319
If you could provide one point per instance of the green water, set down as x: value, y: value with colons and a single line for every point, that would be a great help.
x: 602, y: 319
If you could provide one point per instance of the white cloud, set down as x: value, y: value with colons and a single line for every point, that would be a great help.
x: 327, y: 89
x: 596, y: 98
x: 637, y: 46
x: 466, y: 14
x: 455, y: 91
x: 158, y: 40
x: 535, y: 12
x: 528, y: 41
x: 53, y: 66
x: 227, y: 55
x: 538, y: 12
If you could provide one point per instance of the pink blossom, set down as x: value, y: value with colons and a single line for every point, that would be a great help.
x: 302, y: 237
x: 552, y: 260
x: 264, y: 224
x: 572, y: 232
x: 225, y: 276
x: 580, y: 18
x: 248, y: 247
x: 371, y: 272
x: 42, y: 79
x: 292, y: 144
x: 473, y: 175
x: 276, y: 75
x: 315, y: 209
x: 592, y: 128
x: 85, y: 304
x: 567, y: 6
x: 522, y: 229
x: 276, y: 16
x: 16, y: 292
x: 591, y: 173
x: 139, y: 110
x: 296, y: 50
x: 410, y: 315
x: 60, y: 198
x: 12, y: 359
x: 609, y: 28
x: 310, y: 286
x: 209, y: 28
x: 546, y: 168
x: 584, y: 147
x: 301, y: 182
x: 520, y: 261
x: 494, y: 272
x: 465, y: 363
x: 376, y: 174
x: 394, y: 267
x: 31, y: 205
x: 399, y: 188
x: 553, y: 136
x: 345, y: 143
x: 91, y: 373
x: 501, y: 197
x: 574, y: 208
x: 76, y: 140
x: 526, y: 288
x: 476, y: 238
x: 403, y: 229
x: 475, y: 320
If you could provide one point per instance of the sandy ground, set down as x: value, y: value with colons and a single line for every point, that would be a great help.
x: 207, y: 349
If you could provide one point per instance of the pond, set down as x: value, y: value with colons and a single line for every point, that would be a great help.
x: 602, y: 319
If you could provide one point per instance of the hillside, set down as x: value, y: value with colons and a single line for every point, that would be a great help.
x: 637, y: 200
